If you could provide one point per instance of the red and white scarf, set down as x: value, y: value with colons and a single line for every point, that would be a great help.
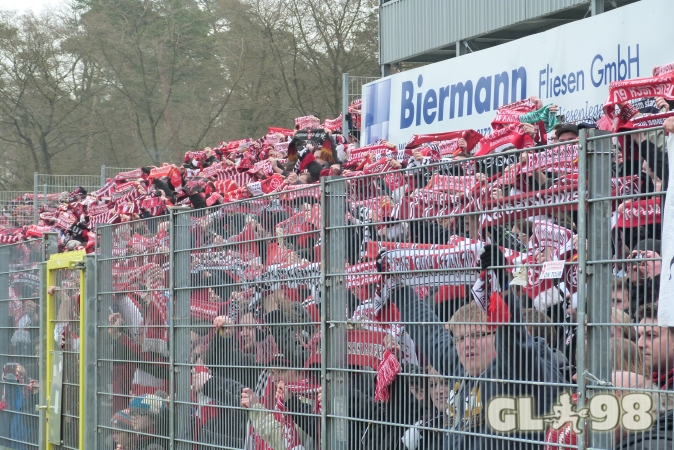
x: 504, y: 138
x: 450, y: 140
x: 660, y: 85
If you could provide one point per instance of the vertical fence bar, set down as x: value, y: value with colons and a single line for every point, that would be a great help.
x: 170, y: 311
x: 42, y: 438
x: 90, y: 330
x: 49, y: 247
x: 582, y: 271
x: 180, y: 326
x: 103, y: 175
x: 35, y: 204
x: 334, y: 201
x: 6, y: 322
x: 599, y: 275
x: 345, y: 104
x: 105, y: 302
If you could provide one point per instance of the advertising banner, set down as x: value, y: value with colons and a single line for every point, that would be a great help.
x: 571, y: 66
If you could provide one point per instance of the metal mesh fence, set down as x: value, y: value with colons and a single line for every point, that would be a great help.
x: 352, y: 88
x: 499, y: 301
x: 48, y: 189
x: 448, y: 337
x: 66, y: 291
x: 625, y: 239
x: 56, y: 184
x: 135, y: 339
x: 20, y: 343
x: 111, y: 172
x: 256, y: 277
x: 16, y: 208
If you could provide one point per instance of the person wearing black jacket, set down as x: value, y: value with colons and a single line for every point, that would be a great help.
x: 231, y: 353
x: 509, y: 353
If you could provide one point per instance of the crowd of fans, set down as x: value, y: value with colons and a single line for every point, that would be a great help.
x: 448, y: 297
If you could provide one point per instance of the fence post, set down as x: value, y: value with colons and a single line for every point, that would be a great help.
x: 345, y: 105
x: 49, y: 247
x: 179, y: 322
x: 90, y: 330
x: 104, y: 300
x: 599, y: 271
x: 103, y: 175
x: 6, y: 321
x: 333, y: 315
x: 35, y: 203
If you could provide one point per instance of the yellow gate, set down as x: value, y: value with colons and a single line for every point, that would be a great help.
x: 65, y: 358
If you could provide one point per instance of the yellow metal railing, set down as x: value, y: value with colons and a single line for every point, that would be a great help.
x: 65, y: 261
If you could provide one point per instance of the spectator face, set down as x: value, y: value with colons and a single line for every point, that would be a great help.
x: 620, y: 300
x: 568, y: 136
x: 523, y: 237
x: 248, y: 333
x: 475, y: 347
x: 641, y: 270
x: 213, y: 296
x: 657, y: 344
x: 619, y: 159
x: 142, y: 422
x: 439, y: 391
x: 287, y: 376
x: 645, y: 168
x: 472, y: 226
x: 123, y: 438
x: 199, y: 379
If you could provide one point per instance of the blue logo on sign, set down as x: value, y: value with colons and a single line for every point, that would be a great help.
x: 378, y: 103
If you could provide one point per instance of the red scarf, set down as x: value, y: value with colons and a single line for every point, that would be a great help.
x: 504, y: 138
x: 510, y: 113
x: 284, y: 131
x: 333, y: 124
x: 640, y: 213
x: 435, y: 262
x: 138, y: 173
x: 263, y: 167
x: 471, y: 137
x: 357, y: 156
x: 290, y: 434
x: 661, y: 85
x: 563, y: 158
x: 665, y: 381
x: 292, y: 192
x: 645, y: 121
x: 307, y: 122
x: 386, y: 374
x: 271, y: 184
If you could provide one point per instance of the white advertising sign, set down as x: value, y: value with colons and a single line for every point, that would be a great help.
x: 571, y: 66
x: 666, y: 300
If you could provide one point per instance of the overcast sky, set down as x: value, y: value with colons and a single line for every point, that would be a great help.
x: 23, y: 5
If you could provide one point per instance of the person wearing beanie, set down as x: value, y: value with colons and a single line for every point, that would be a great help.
x: 122, y: 428
x: 149, y: 417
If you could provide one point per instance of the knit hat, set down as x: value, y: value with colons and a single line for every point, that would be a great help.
x: 653, y: 245
x: 147, y: 404
x: 121, y: 420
